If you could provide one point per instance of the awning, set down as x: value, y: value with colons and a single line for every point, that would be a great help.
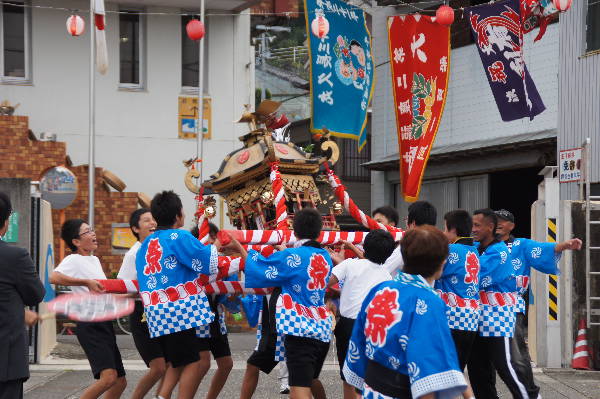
x: 469, y: 149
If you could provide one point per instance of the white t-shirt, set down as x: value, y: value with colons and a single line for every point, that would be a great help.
x: 84, y: 267
x: 359, y: 276
x: 395, y: 262
x: 127, y: 270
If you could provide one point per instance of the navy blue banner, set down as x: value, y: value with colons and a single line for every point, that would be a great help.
x: 498, y: 35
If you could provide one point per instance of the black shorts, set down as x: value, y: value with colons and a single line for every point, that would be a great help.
x: 463, y: 341
x: 218, y: 346
x: 149, y: 348
x: 264, y: 356
x: 305, y: 358
x: 180, y: 348
x: 343, y: 333
x: 99, y: 343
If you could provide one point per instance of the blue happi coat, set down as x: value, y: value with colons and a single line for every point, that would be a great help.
x: 459, y: 287
x: 526, y: 254
x: 168, y: 264
x: 403, y: 327
x: 497, y: 292
x: 302, y: 273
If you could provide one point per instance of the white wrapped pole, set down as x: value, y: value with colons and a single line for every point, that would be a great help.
x: 101, y: 49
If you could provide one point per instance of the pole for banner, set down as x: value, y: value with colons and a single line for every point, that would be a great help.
x: 92, y: 120
x: 200, y: 122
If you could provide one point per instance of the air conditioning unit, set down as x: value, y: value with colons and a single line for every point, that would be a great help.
x: 47, y: 136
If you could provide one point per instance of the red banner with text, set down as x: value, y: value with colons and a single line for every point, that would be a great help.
x: 420, y: 63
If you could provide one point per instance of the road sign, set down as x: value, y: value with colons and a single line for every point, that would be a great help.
x: 569, y: 165
x: 188, y: 117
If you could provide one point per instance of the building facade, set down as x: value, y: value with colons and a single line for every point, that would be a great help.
x: 152, y: 63
x: 477, y: 159
x: 579, y: 88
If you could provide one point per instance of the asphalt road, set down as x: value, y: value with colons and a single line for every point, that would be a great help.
x: 66, y: 374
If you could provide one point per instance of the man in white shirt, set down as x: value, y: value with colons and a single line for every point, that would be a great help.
x: 359, y: 276
x: 80, y: 271
x: 419, y: 213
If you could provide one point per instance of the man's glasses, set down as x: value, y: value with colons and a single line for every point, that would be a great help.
x: 86, y: 232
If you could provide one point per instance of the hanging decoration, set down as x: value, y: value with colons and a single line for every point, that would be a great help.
x: 420, y: 61
x: 341, y: 70
x: 498, y: 33
x: 539, y: 13
x: 195, y: 29
x: 320, y: 26
x: 101, y: 49
x: 562, y: 5
x: 75, y: 25
x: 444, y: 15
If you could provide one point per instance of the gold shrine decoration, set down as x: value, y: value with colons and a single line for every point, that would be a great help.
x: 188, y: 117
x: 291, y: 183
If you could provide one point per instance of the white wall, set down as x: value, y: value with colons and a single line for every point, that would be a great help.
x: 136, y: 132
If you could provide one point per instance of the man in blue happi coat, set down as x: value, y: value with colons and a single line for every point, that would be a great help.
x: 459, y: 285
x: 401, y: 345
x: 301, y: 317
x: 498, y: 300
x: 527, y: 254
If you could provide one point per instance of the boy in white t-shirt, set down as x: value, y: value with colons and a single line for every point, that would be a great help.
x: 142, y: 224
x: 80, y: 271
x: 358, y: 276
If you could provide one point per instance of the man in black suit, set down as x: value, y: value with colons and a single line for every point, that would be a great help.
x: 20, y: 286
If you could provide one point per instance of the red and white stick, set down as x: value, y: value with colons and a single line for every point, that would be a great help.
x: 117, y: 286
x: 354, y: 210
x: 275, y: 237
x: 278, y: 190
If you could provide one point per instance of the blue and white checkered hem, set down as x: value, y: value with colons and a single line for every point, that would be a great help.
x: 352, y: 378
x: 497, y: 321
x: 183, y: 314
x: 446, y: 385
x: 289, y: 322
x: 521, y: 307
x: 370, y: 393
x: 464, y: 319
x: 214, y: 260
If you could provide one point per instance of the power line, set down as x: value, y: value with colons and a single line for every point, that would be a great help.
x: 224, y: 14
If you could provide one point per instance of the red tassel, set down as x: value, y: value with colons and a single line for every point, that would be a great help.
x: 99, y: 21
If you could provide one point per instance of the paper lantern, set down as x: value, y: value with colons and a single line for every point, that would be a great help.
x: 75, y: 25
x: 320, y: 26
x: 195, y: 29
x: 444, y: 15
x: 562, y: 5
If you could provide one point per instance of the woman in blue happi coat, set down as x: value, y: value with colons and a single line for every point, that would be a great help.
x: 401, y: 345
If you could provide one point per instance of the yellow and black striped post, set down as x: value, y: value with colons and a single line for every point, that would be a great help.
x: 552, y: 279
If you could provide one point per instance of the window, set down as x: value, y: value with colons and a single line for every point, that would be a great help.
x: 351, y: 160
x: 592, y: 32
x: 131, y: 34
x: 190, y: 59
x: 14, y: 44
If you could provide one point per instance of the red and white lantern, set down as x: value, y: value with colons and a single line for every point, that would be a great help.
x: 444, y: 15
x: 320, y: 26
x: 562, y: 5
x: 195, y: 29
x: 75, y: 25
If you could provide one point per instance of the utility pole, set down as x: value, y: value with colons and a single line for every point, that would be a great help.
x: 264, y: 40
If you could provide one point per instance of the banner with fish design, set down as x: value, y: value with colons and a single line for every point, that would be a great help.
x: 498, y: 35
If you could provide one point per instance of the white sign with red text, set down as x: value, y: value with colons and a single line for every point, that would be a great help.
x: 569, y: 164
